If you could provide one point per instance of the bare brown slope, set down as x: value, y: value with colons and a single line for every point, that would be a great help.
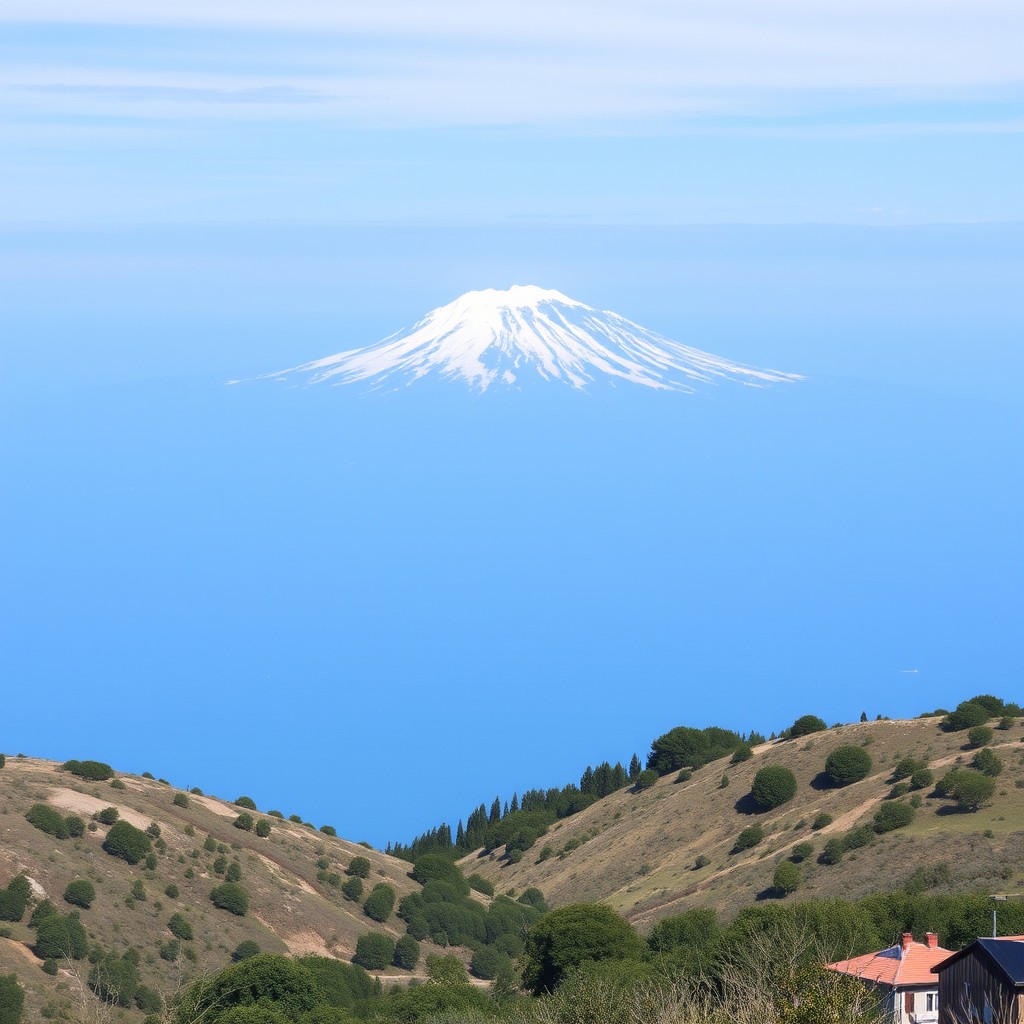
x: 291, y: 910
x: 638, y: 850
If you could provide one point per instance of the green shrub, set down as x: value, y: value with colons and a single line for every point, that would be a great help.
x: 742, y: 753
x: 922, y: 778
x: 230, y: 896
x: 684, y: 775
x: 967, y: 715
x: 138, y: 892
x: 488, y: 962
x: 47, y: 820
x: 148, y: 1000
x: 244, y: 950
x: 374, y: 951
x: 245, y: 822
x: 263, y: 828
x: 297, y: 818
x: 234, y: 872
x: 3, y: 760
x: 247, y: 802
x: 435, y: 867
x: 96, y: 771
x: 126, y: 841
x: 107, y: 816
x: 979, y: 736
x: 14, y: 899
x: 12, y: 999
x: 833, y: 851
x: 772, y: 787
x: 51, y: 967
x: 170, y: 950
x: 891, y: 816
x: 701, y: 862
x: 43, y: 910
x: 114, y: 979
x: 801, y: 852
x: 993, y: 705
x: 80, y: 893
x: 786, y: 878
x: 821, y: 820
x: 971, y: 789
x: 180, y: 927
x: 1006, y: 722
x: 480, y: 884
x: 181, y: 800
x: 847, y: 764
x: 748, y: 838
x: 171, y: 892
x: 987, y: 762
x: 328, y: 830
x: 276, y: 814
x: 805, y: 725
x: 900, y: 789
x: 572, y: 935
x: 905, y: 768
x: 358, y: 866
x: 380, y: 903
x: 58, y: 937
x: 647, y: 778
x: 945, y: 785
x: 407, y: 953
x: 352, y: 889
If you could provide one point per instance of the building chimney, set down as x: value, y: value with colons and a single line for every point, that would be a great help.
x: 905, y: 940
x: 931, y: 939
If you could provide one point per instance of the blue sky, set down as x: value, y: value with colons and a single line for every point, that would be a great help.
x: 201, y: 191
x: 659, y: 113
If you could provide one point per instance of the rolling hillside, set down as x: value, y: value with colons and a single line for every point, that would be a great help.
x: 295, y: 905
x: 637, y: 851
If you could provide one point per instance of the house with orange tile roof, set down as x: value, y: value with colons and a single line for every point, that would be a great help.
x: 902, y: 974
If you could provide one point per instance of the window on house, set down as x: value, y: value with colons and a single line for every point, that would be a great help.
x: 929, y: 1001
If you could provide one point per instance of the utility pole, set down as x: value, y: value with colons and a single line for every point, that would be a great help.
x: 995, y: 928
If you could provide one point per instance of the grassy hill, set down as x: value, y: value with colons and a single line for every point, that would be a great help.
x: 638, y: 851
x: 295, y: 904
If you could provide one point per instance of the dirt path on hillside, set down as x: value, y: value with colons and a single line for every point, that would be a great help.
x: 840, y: 824
x: 217, y: 807
x: 22, y: 950
x: 280, y: 872
x: 72, y: 800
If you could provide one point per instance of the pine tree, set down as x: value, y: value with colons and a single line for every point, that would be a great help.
x: 587, y: 781
x: 515, y: 802
x: 634, y: 767
x: 495, y: 815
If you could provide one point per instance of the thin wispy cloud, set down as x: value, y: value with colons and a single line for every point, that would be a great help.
x: 651, y: 85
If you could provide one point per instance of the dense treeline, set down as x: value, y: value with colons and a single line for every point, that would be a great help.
x: 582, y: 962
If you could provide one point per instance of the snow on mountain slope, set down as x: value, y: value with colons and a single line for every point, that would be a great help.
x: 503, y: 338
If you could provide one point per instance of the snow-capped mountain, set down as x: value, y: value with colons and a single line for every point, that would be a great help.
x: 496, y: 338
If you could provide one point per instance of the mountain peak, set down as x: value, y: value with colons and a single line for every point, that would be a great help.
x: 503, y: 338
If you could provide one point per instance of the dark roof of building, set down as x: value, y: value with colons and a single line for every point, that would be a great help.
x: 1006, y: 954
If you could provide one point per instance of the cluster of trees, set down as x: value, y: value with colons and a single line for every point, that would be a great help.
x: 94, y: 771
x: 49, y: 820
x: 583, y: 962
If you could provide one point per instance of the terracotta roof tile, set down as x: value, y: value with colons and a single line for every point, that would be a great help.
x: 896, y: 966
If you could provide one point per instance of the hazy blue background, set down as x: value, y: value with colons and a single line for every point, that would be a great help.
x: 379, y: 611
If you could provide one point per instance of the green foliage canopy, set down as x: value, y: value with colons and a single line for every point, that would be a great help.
x: 847, y: 764
x: 772, y: 787
x: 572, y: 935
